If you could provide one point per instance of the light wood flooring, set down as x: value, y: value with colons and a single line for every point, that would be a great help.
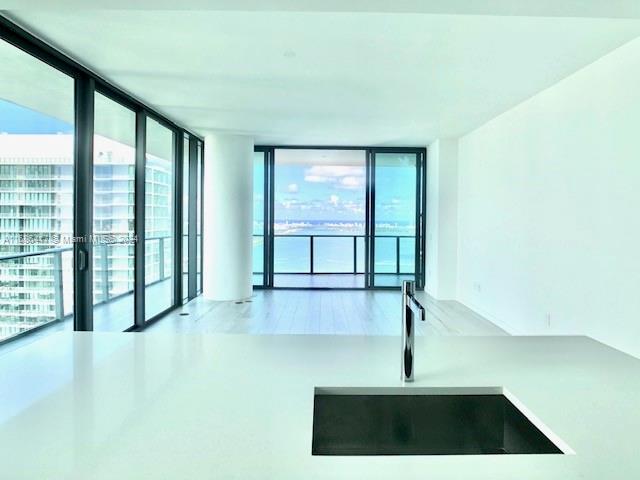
x: 332, y: 312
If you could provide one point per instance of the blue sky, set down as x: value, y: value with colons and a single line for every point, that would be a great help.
x: 18, y: 119
x: 319, y: 192
x: 337, y: 192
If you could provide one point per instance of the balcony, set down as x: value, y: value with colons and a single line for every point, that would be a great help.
x: 336, y: 261
x: 37, y: 288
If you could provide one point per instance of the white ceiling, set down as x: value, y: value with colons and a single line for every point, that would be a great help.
x: 329, y: 78
x: 527, y: 8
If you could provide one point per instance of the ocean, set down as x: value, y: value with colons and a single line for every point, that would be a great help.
x: 335, y: 253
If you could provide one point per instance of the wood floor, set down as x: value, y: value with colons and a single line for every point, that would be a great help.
x: 332, y: 312
x: 319, y: 280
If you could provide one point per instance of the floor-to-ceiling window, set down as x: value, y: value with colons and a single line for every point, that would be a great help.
x: 36, y: 192
x: 259, y: 164
x: 349, y: 217
x: 159, y: 218
x: 319, y: 218
x: 191, y: 218
x: 114, y: 156
x: 185, y: 218
x: 394, y: 228
x: 200, y: 166
x: 75, y: 154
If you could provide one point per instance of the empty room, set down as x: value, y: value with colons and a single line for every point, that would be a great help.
x: 319, y: 239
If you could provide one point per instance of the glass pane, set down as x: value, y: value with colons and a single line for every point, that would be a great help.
x: 291, y: 254
x: 395, y: 214
x: 360, y: 253
x: 114, y: 157
x: 185, y: 219
x: 407, y: 255
x: 333, y: 254
x: 319, y: 194
x: 385, y: 255
x: 159, y: 218
x: 258, y: 218
x: 36, y: 193
x: 200, y: 166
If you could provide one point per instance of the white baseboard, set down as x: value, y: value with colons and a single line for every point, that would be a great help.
x: 492, y: 318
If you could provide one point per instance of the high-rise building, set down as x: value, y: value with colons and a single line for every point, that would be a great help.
x: 36, y: 191
x: 36, y: 214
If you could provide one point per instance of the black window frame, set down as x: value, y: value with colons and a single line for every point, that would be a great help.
x: 86, y: 83
x: 370, y: 151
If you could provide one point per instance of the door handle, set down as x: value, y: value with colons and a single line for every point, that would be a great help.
x: 82, y: 259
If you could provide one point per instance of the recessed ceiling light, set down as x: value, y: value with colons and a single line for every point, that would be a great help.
x: 289, y: 54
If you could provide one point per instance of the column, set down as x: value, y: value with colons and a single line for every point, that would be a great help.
x: 228, y: 217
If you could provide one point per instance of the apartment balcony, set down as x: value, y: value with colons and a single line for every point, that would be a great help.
x: 336, y: 261
x: 49, y: 305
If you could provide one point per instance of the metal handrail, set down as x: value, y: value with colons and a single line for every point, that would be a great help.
x: 332, y: 235
x: 157, y: 237
x: 312, y: 237
x: 50, y: 251
x: 58, y: 285
x: 14, y: 256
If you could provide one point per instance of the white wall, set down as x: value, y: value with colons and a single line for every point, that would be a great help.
x: 228, y: 217
x: 431, y: 283
x: 549, y: 208
x: 442, y: 219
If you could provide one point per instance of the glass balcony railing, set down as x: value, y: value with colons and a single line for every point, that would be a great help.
x: 36, y: 288
x: 338, y: 254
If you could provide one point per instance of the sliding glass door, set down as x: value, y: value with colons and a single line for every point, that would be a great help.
x: 319, y: 218
x: 36, y: 193
x: 338, y: 217
x: 96, y: 192
x: 159, y: 218
x: 199, y: 187
x: 395, y: 217
x: 114, y: 158
x: 191, y: 218
x: 258, y: 218
x: 185, y: 218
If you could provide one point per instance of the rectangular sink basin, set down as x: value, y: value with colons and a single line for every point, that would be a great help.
x: 413, y: 421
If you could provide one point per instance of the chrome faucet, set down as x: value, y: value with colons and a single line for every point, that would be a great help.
x: 410, y: 308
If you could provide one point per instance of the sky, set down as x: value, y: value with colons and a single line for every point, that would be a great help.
x: 323, y: 192
x: 319, y: 192
x: 17, y: 119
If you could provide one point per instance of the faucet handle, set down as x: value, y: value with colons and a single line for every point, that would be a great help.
x: 408, y: 287
x: 408, y: 291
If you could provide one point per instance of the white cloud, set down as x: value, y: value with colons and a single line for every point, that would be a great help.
x: 318, y: 179
x: 334, y: 200
x: 345, y: 176
x: 335, y: 170
x: 293, y: 188
x: 352, y: 182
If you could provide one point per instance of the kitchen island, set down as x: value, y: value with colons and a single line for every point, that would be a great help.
x: 164, y: 406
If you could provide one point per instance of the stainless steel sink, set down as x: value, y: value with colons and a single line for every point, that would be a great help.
x: 411, y: 421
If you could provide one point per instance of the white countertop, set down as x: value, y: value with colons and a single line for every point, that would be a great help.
x: 155, y: 406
